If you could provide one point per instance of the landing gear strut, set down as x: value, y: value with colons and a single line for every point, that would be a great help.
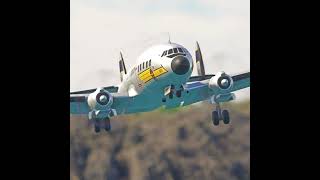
x: 100, y: 122
x: 218, y: 115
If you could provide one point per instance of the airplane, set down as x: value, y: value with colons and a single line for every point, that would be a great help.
x: 161, y: 78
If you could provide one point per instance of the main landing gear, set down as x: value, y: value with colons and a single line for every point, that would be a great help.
x: 102, y: 123
x: 218, y: 115
x: 99, y: 122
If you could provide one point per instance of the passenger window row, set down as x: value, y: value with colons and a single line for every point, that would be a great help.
x: 172, y: 51
x: 144, y: 65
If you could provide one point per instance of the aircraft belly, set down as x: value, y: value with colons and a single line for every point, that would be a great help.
x: 140, y: 103
x: 200, y: 93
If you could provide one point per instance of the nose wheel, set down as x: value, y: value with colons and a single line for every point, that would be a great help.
x: 171, y: 90
x: 218, y: 115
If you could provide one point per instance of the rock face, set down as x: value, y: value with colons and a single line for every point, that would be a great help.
x: 176, y: 144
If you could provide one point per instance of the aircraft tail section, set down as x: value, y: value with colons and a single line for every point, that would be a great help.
x: 122, y: 67
x: 199, y: 62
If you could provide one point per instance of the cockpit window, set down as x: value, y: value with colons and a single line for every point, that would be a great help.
x: 174, y: 52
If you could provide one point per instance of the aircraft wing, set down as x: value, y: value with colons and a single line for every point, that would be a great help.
x: 240, y: 81
x: 122, y: 103
x: 78, y: 100
x: 198, y: 87
x: 196, y: 90
x: 78, y: 104
x: 200, y: 78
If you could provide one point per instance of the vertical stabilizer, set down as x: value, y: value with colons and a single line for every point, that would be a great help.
x: 122, y: 67
x: 199, y: 62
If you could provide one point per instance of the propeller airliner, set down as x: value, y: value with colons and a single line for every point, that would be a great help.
x: 161, y: 77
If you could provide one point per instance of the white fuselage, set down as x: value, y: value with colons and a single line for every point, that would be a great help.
x: 157, y: 68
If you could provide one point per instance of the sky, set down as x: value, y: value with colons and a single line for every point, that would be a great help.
x: 100, y: 29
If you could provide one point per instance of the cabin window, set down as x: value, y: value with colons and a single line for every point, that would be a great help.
x: 147, y: 64
x: 140, y: 67
x: 143, y: 65
x: 170, y: 51
x: 180, y: 50
x: 175, y: 50
x: 150, y: 62
x: 164, y: 53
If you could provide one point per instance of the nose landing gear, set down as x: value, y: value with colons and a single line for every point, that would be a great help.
x: 171, y: 90
x: 218, y: 115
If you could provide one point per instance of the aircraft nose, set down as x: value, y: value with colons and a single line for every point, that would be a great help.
x: 180, y: 65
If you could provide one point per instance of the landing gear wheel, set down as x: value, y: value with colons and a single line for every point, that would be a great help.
x: 215, y: 118
x: 226, y: 118
x: 107, y: 126
x: 96, y: 127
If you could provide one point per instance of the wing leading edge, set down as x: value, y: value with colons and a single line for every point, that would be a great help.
x: 198, y: 90
x: 78, y: 104
x: 78, y: 100
x: 122, y: 104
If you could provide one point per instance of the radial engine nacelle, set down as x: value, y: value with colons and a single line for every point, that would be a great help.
x: 100, y: 100
x: 220, y: 83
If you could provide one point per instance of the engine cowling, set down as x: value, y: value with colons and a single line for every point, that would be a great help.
x: 220, y: 83
x: 100, y: 100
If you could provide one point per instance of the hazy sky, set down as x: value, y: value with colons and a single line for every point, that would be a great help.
x: 101, y: 28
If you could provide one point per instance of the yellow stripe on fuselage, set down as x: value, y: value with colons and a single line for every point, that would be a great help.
x: 146, y: 75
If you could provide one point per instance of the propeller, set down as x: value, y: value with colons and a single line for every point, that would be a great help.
x: 199, y: 62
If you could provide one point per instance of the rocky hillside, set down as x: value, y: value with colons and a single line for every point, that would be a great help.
x: 164, y: 144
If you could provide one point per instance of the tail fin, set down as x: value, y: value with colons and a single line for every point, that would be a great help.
x: 199, y: 62
x: 122, y: 67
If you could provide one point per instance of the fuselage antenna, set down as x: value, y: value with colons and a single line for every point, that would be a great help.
x: 169, y: 38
